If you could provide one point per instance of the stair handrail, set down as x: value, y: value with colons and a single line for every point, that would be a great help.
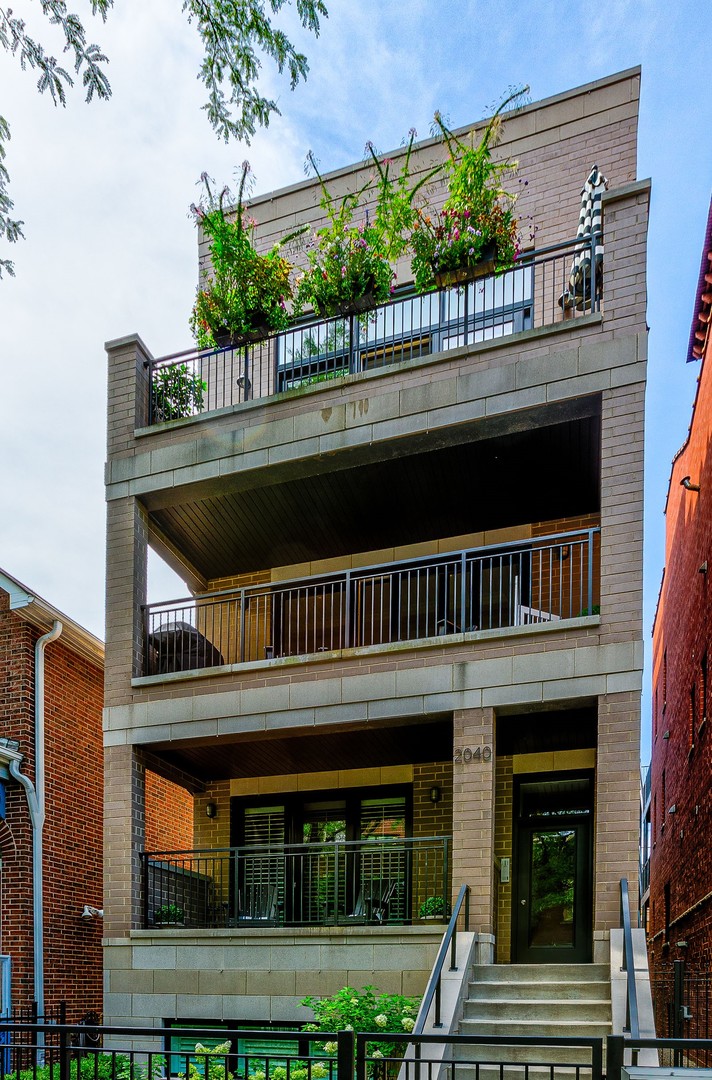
x: 631, y: 1009
x: 449, y: 941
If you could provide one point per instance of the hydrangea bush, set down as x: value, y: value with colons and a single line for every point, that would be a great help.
x: 364, y: 1011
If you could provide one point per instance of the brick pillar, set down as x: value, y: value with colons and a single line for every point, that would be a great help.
x: 124, y: 836
x: 473, y: 815
x: 617, y: 806
x: 126, y: 584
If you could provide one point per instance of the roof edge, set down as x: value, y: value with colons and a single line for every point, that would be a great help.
x: 42, y: 615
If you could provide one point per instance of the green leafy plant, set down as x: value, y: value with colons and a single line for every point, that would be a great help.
x: 477, y: 213
x: 97, y: 1067
x: 395, y: 213
x: 209, y: 1063
x: 246, y: 295
x: 348, y: 269
x: 169, y: 913
x: 176, y: 392
x: 366, y: 1010
x: 433, y: 907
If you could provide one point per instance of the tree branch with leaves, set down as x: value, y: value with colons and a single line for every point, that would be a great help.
x: 236, y: 35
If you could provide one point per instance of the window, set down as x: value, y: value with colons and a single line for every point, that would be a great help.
x: 664, y: 680
x: 664, y: 806
x: 666, y: 895
x: 693, y: 715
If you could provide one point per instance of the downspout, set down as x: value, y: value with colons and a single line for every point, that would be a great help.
x: 36, y: 803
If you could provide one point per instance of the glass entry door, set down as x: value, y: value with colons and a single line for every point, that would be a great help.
x: 553, y: 882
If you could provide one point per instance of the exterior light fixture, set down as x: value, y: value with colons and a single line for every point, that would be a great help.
x: 90, y: 913
x: 688, y: 485
x: 211, y: 810
x: 435, y: 794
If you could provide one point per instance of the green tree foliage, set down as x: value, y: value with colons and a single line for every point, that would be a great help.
x: 236, y: 35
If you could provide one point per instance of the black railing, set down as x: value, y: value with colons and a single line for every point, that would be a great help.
x: 535, y: 292
x: 675, y: 1053
x: 682, y: 1002
x: 449, y: 943
x: 541, y: 580
x: 348, y: 883
x: 152, y: 1053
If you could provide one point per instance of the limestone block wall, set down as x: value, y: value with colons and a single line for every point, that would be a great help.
x: 260, y: 974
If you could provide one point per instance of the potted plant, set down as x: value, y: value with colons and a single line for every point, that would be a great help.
x: 433, y: 908
x: 246, y: 295
x: 475, y: 233
x: 168, y: 914
x: 395, y: 212
x: 348, y: 271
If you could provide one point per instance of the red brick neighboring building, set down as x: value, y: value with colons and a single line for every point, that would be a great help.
x: 680, y: 902
x: 72, y: 833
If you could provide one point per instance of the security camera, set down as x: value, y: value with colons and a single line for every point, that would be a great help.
x: 92, y: 912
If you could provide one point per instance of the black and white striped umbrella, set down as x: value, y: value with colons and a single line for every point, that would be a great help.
x: 579, y: 290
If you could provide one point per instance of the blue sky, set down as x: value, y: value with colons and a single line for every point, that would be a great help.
x: 105, y: 190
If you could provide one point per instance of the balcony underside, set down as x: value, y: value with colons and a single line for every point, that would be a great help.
x: 538, y: 465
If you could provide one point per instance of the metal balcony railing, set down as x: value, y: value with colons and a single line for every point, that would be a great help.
x: 535, y: 292
x: 542, y: 580
x: 348, y: 883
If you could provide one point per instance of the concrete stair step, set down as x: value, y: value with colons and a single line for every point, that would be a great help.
x: 560, y: 1054
x: 549, y: 1028
x: 549, y: 1010
x: 545, y: 973
x: 590, y: 991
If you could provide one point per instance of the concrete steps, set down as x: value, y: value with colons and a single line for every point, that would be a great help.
x: 548, y: 1001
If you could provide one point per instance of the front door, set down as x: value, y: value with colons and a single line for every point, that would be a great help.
x: 553, y: 878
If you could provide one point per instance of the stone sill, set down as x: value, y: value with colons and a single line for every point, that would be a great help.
x: 280, y: 662
x: 283, y: 935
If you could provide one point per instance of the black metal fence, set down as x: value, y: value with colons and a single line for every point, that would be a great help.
x: 682, y: 1003
x: 246, y: 1054
x: 533, y: 581
x: 238, y: 1053
x: 535, y: 292
x: 348, y: 883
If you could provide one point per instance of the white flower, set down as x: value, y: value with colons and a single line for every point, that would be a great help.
x: 349, y: 1027
x: 377, y: 1054
x: 381, y: 1020
x: 354, y: 1001
x: 408, y: 1023
x: 330, y: 1047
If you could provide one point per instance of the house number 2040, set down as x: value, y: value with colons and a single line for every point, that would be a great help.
x: 466, y: 754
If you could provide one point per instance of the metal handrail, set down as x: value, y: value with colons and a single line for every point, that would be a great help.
x: 264, y: 621
x: 449, y: 941
x: 631, y: 1011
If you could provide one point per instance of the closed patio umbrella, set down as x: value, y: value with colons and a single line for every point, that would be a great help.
x: 580, y: 292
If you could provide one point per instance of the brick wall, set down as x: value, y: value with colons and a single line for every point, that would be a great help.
x: 73, y: 827
x: 169, y: 815
x: 681, y: 749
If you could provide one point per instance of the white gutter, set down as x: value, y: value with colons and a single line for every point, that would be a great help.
x: 36, y: 803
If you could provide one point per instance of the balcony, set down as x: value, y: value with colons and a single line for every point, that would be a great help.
x: 548, y: 579
x: 533, y: 294
x: 379, y: 881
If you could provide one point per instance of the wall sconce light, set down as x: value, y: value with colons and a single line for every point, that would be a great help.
x: 435, y: 794
x: 681, y: 944
x: 672, y: 809
x: 211, y: 810
x: 688, y: 485
x: 90, y: 913
x: 703, y: 568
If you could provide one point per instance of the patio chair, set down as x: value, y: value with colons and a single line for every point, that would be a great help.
x: 260, y: 904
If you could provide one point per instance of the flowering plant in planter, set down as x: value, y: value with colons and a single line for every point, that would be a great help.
x: 477, y: 222
x: 395, y: 213
x: 246, y: 295
x: 348, y: 269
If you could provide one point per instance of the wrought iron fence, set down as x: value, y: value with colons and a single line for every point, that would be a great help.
x: 546, y: 579
x: 348, y: 883
x: 682, y: 1004
x: 158, y: 1053
x: 535, y: 292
